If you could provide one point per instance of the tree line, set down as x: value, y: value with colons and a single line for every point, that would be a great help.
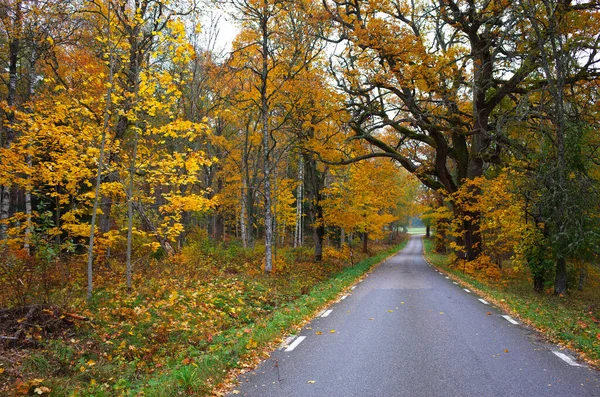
x: 126, y: 132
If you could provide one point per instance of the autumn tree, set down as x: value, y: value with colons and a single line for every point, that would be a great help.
x: 443, y: 76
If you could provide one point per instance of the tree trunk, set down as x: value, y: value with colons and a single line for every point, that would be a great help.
x: 299, y: 200
x: 243, y: 219
x: 366, y: 242
x: 315, y: 181
x: 130, y: 200
x: 13, y: 60
x: 428, y: 231
x: 264, y: 110
x: 105, y: 125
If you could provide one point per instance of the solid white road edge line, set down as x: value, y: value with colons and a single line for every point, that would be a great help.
x: 321, y: 312
x: 466, y: 290
x: 327, y: 313
x: 566, y: 358
x: 295, y: 344
x: 510, y: 319
x: 484, y: 301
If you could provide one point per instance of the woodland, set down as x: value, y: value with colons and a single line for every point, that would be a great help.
x: 158, y: 187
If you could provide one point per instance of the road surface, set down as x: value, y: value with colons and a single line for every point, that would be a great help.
x: 407, y: 330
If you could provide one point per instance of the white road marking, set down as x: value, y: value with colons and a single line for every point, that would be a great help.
x: 321, y: 312
x: 510, y: 319
x: 287, y: 341
x: 354, y: 286
x: 295, y: 344
x: 566, y: 358
x: 343, y: 297
x: 447, y: 278
x: 484, y: 301
x: 466, y: 290
x: 454, y: 282
x: 327, y: 313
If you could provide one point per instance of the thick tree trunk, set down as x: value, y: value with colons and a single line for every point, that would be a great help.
x: 560, y: 280
x: 315, y: 182
x: 428, y: 231
x: 365, y: 243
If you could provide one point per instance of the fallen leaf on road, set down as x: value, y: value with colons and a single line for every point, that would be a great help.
x: 319, y: 333
x: 235, y: 392
x: 371, y: 318
x: 312, y: 381
x: 441, y: 312
x: 391, y: 311
x: 401, y: 303
x: 309, y: 328
x: 332, y: 331
x: 505, y: 350
x: 489, y: 313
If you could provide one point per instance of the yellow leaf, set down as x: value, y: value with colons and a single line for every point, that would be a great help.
x: 332, y: 331
x: 91, y: 363
x: 1, y: 371
x: 235, y: 392
x: 441, y: 312
x: 391, y: 311
x: 319, y: 333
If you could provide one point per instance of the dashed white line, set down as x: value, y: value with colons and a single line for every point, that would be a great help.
x: 354, y: 286
x: 484, y: 301
x: 447, y: 278
x: 566, y: 358
x: 321, y: 312
x: 510, y: 319
x: 287, y: 341
x: 295, y: 344
x: 466, y: 290
x: 343, y: 297
x: 327, y: 313
x: 455, y: 283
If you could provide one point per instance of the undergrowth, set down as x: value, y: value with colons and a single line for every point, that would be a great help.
x: 188, y: 321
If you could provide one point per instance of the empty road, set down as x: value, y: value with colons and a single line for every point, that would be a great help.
x: 407, y: 330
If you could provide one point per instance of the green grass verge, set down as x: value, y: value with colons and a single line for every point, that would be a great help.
x: 572, y: 321
x: 231, y: 348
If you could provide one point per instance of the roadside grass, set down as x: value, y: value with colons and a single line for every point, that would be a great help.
x: 573, y: 321
x: 188, y: 324
x: 416, y: 230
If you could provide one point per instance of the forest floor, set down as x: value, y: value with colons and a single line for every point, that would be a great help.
x: 190, y: 321
x: 572, y: 321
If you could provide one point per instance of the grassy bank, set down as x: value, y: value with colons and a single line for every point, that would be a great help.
x: 185, y: 327
x: 572, y: 321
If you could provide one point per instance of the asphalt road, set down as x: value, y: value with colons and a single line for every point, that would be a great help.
x: 406, y: 330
